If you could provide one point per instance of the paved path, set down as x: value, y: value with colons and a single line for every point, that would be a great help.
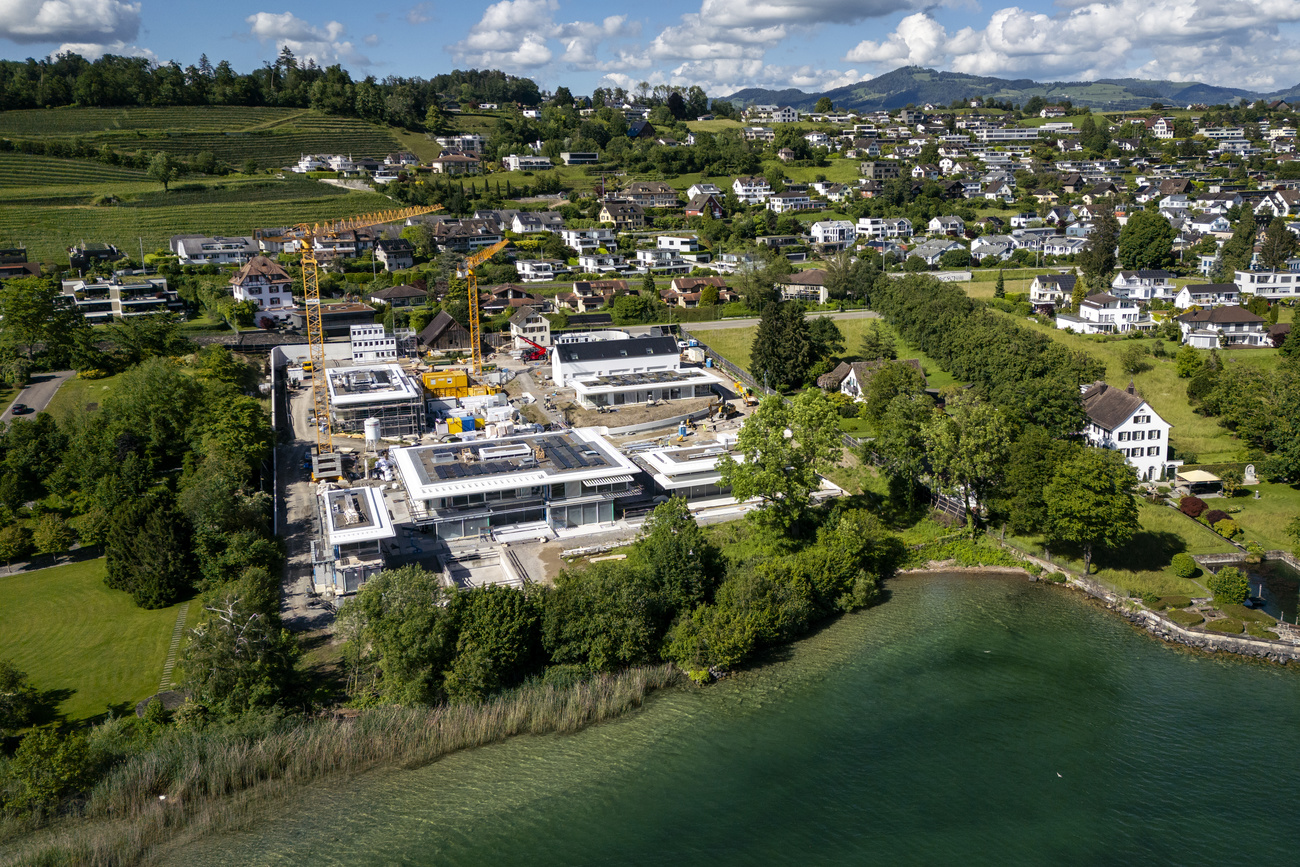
x: 39, y: 392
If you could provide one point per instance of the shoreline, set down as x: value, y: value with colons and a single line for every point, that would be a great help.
x: 1153, y: 622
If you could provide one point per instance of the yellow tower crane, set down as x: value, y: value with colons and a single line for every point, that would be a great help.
x: 305, y: 235
x: 475, y: 330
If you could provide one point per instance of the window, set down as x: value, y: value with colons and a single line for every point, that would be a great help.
x: 1123, y: 436
x: 1153, y: 450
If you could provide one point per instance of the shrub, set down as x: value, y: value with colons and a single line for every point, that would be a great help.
x: 1185, y: 618
x: 1229, y: 586
x: 1184, y: 566
x: 1191, y: 506
x: 1247, y: 615
x: 1227, y: 528
x: 1257, y: 630
x: 1227, y: 625
x: 1214, y: 516
x: 1172, y: 602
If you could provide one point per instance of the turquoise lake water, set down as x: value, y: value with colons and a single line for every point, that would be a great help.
x: 969, y: 720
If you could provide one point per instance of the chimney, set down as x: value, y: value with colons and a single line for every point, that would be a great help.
x: 1130, y: 387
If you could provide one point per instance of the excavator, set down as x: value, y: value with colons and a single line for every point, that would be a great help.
x: 746, y: 394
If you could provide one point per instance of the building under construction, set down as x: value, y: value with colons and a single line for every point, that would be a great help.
x: 382, y: 391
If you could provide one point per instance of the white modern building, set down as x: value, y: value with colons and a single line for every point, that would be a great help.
x: 556, y: 481
x: 589, y: 240
x: 1218, y: 326
x: 357, y: 523
x: 626, y: 389
x: 1120, y: 419
x: 1104, y: 314
x: 1207, y: 295
x: 836, y: 234
x: 1272, y: 285
x: 525, y: 163
x: 571, y: 361
x: 1144, y: 285
x: 214, y: 251
x: 370, y: 344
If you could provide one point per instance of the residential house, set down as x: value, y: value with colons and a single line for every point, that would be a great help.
x: 540, y: 270
x: 1223, y: 326
x: 589, y: 240
x: 1103, y: 314
x: 403, y: 297
x: 1207, y: 295
x: 751, y: 190
x: 1146, y: 285
x: 932, y: 251
x: 898, y: 227
x: 613, y: 358
x: 833, y: 234
x: 533, y: 222
x: 401, y: 158
x: 880, y: 170
x: 650, y: 194
x: 469, y: 142
x: 662, y: 261
x: 201, y: 250
x: 1272, y: 285
x: 529, y: 323
x: 703, y: 189
x: 641, y: 129
x: 580, y: 158
x: 396, y: 254
x: 263, y: 282
x: 463, y: 235
x: 871, y: 227
x: 1051, y: 291
x: 785, y: 155
x: 950, y: 225
x: 526, y: 163
x: 601, y: 263
x: 1120, y: 419
x: 788, y: 202
x: 702, y: 203
x: 455, y: 164
x: 624, y: 215
x: 808, y: 286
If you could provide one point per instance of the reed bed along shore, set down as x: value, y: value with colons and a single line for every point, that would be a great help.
x: 191, y: 783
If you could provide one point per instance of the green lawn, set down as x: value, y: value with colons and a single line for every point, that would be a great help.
x: 716, y: 125
x: 734, y: 345
x: 1193, y: 436
x: 71, y: 633
x: 1264, y: 520
x: 77, y: 394
x: 1142, y: 565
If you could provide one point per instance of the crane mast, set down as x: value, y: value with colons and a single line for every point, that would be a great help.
x: 475, y: 329
x: 305, y: 235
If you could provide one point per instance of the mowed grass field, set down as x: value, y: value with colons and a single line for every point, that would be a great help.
x: 1193, y: 435
x: 46, y: 205
x: 90, y: 644
x: 734, y: 344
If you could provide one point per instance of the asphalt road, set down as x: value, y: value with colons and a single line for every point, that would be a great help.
x: 39, y: 392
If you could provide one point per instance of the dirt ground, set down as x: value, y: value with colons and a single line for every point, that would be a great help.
x: 630, y: 414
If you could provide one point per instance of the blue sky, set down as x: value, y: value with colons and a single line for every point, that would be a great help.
x: 721, y: 45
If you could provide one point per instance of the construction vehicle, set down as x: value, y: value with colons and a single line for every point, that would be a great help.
x: 746, y: 394
x: 326, y: 463
x: 475, y: 328
x: 537, y: 353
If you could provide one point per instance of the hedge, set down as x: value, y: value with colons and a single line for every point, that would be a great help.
x: 1227, y: 626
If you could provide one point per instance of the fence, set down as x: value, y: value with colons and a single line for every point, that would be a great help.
x: 732, y: 370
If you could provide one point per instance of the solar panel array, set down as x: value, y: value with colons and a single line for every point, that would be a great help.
x: 559, y: 451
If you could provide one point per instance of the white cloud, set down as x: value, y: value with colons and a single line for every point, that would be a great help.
x: 516, y: 34
x: 371, y: 39
x: 322, y: 44
x: 420, y: 13
x: 85, y: 22
x: 1230, y: 42
x: 96, y: 50
x: 755, y: 13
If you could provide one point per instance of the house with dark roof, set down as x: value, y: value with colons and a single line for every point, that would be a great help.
x: 618, y: 357
x: 809, y: 286
x: 403, y: 297
x: 1207, y: 295
x: 624, y: 215
x: 396, y: 254
x: 1223, y: 326
x: 262, y: 281
x: 444, y: 334
x: 1120, y: 419
x: 1105, y: 314
x: 1049, y: 291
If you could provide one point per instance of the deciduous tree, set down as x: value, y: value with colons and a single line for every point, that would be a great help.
x: 1090, y: 502
x: 1279, y: 245
x: 1146, y: 241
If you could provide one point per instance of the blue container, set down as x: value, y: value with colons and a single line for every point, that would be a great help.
x: 708, y: 361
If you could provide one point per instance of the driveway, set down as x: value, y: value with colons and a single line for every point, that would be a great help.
x: 39, y: 392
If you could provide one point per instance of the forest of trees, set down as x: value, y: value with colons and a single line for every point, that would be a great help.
x: 70, y: 79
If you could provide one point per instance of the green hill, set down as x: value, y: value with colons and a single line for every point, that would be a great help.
x: 917, y: 86
x: 273, y: 137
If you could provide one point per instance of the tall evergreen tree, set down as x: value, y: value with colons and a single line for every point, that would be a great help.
x: 1279, y: 246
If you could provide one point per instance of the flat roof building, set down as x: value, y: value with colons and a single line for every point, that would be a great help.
x: 688, y: 471
x: 610, y: 357
x: 382, y: 391
x: 355, y: 523
x: 557, y: 480
x: 631, y: 388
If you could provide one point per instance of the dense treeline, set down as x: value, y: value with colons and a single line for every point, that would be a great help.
x: 69, y: 79
x: 677, y: 596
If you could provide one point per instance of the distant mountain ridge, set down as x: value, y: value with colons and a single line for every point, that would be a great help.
x: 916, y: 85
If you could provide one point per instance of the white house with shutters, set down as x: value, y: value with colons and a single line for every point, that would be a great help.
x: 1120, y: 419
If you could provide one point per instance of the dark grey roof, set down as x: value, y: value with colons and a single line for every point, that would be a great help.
x: 1220, y: 315
x: 1109, y: 407
x: 1212, y: 288
x: 442, y: 322
x: 600, y: 350
x: 402, y: 291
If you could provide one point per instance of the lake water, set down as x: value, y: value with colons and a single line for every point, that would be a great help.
x: 969, y: 720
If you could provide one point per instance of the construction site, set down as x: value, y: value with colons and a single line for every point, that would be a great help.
x: 471, y: 468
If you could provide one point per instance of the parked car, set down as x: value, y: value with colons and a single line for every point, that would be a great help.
x: 19, y: 409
